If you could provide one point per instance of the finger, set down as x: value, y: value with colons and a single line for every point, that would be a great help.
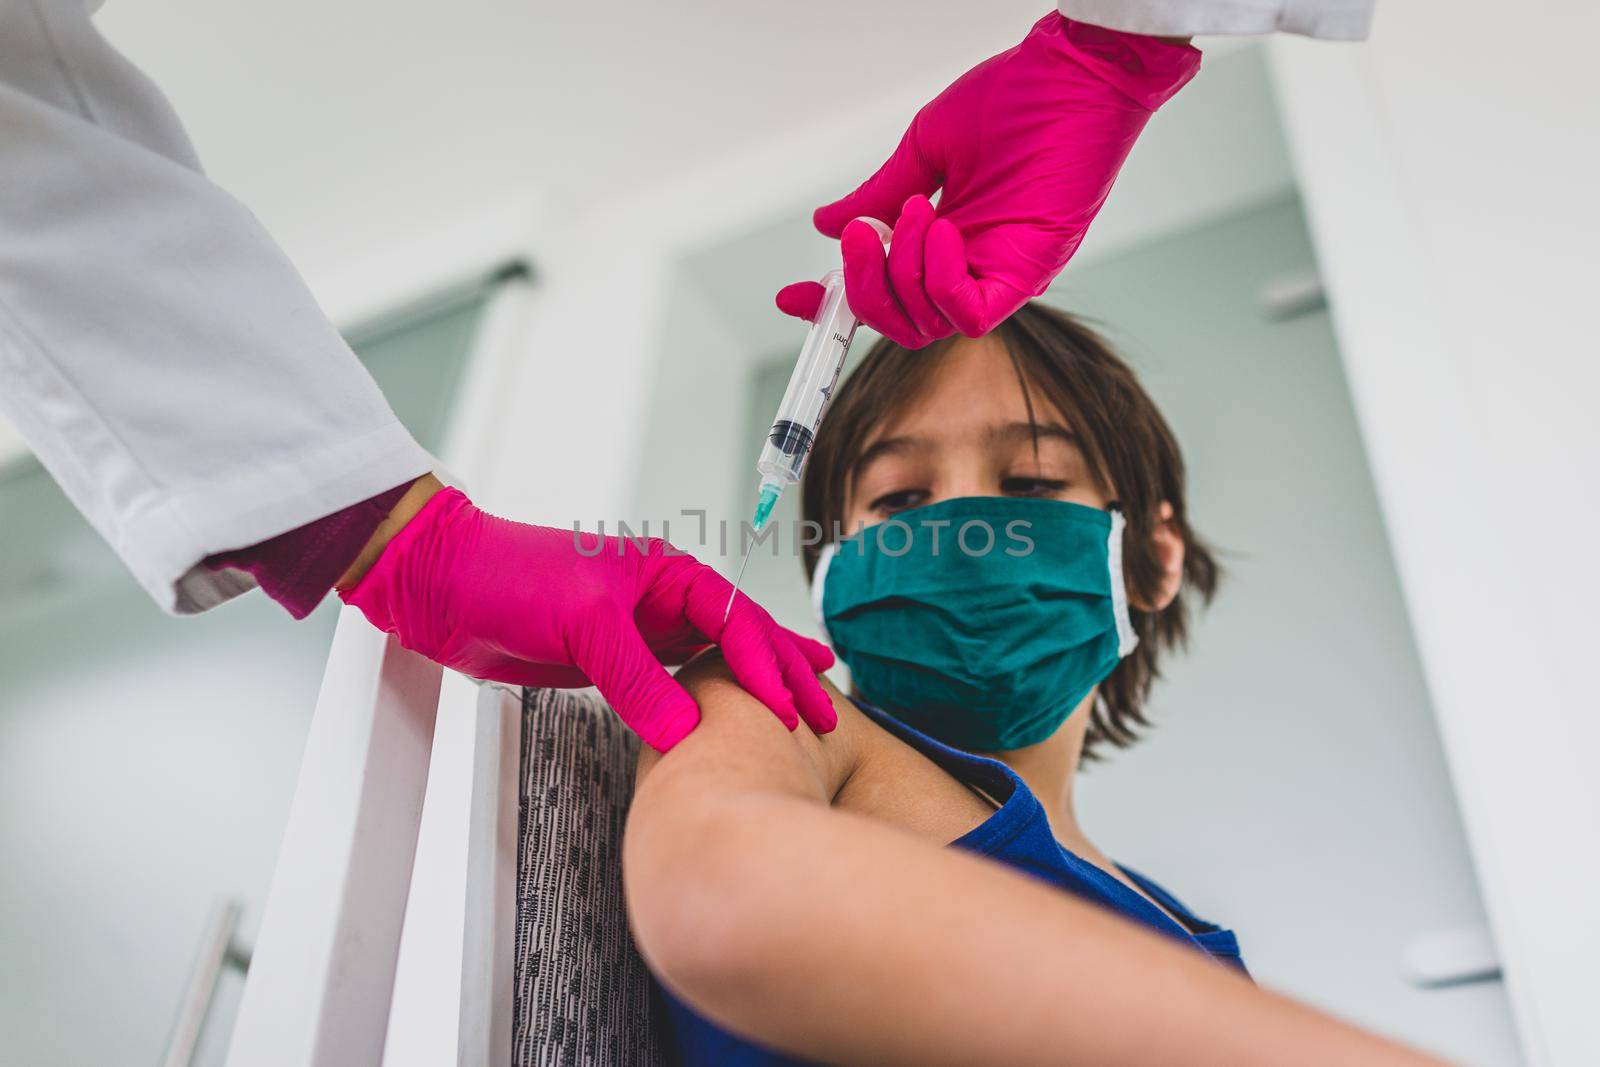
x: 802, y: 300
x: 905, y: 271
x: 818, y: 655
x: 705, y: 607
x: 866, y: 286
x: 613, y: 653
x: 704, y: 602
x: 753, y: 657
x: 747, y: 636
x: 809, y: 697
x: 973, y: 305
x: 903, y: 174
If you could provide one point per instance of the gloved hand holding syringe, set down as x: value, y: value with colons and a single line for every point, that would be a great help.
x: 805, y: 401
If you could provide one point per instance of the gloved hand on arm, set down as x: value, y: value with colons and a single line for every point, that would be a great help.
x: 534, y: 605
x: 1022, y: 150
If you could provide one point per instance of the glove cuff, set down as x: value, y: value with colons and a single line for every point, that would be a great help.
x: 1146, y: 70
x: 385, y: 591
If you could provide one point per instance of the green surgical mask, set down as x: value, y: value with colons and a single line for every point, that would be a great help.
x: 980, y: 621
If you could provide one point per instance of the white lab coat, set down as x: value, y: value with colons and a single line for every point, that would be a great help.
x: 1345, y: 20
x: 159, y: 353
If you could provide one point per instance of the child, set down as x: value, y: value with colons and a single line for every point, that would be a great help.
x: 1023, y: 560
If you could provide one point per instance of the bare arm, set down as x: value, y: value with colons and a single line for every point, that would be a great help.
x: 832, y: 936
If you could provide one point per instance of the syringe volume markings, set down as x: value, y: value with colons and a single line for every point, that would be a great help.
x: 805, y: 401
x: 791, y: 438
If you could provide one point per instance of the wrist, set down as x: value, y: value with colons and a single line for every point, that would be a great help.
x: 1146, y: 69
x: 415, y: 498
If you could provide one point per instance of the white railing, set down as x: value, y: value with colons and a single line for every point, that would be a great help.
x: 323, y: 969
x: 453, y: 978
x: 389, y: 927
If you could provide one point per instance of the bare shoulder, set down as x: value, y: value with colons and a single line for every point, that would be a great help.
x: 859, y: 767
x: 739, y: 737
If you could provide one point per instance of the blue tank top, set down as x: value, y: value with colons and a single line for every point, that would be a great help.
x: 1018, y: 835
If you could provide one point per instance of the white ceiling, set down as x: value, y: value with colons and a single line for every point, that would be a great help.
x: 338, y: 121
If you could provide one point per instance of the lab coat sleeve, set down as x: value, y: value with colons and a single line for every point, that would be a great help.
x: 1345, y: 20
x: 158, y: 352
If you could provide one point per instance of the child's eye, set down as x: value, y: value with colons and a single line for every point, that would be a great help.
x: 899, y: 500
x: 1024, y: 486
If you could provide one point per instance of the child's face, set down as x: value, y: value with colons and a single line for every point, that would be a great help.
x: 969, y: 434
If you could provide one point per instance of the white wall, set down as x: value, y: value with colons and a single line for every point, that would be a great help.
x: 1462, y: 142
x: 705, y: 368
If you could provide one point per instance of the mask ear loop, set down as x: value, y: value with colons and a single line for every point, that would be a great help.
x: 819, y: 578
x: 1127, y: 638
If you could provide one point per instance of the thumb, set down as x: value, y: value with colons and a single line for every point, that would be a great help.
x: 905, y: 174
x: 614, y: 654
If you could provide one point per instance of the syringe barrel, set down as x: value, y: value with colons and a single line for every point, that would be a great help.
x: 793, y: 432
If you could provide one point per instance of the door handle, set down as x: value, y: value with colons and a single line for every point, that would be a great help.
x: 1451, y: 957
x: 218, y: 950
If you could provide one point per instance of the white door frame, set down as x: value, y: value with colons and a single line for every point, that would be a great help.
x: 1469, y: 509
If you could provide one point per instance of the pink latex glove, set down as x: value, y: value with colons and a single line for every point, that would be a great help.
x: 521, y: 604
x: 1023, y: 149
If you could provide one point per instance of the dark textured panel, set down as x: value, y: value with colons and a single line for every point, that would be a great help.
x: 583, y: 996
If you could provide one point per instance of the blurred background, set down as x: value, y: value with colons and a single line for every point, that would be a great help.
x: 1295, y: 787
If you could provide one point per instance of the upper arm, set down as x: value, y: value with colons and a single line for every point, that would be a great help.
x: 836, y: 936
x: 739, y: 744
x: 705, y: 814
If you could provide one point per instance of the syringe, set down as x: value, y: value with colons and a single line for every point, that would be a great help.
x: 794, y: 430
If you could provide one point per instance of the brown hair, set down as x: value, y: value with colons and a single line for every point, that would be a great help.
x: 1125, y: 440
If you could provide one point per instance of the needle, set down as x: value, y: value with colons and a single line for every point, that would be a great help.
x: 727, y: 610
